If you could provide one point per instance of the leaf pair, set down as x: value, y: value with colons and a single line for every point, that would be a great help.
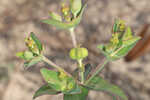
x: 121, y: 43
x: 58, y: 23
x: 47, y: 90
x: 55, y: 84
x: 60, y: 82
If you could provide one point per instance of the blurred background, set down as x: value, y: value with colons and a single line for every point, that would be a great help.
x: 20, y: 17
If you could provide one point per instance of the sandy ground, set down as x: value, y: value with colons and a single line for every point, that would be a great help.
x: 19, y: 17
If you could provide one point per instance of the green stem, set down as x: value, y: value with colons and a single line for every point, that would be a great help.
x: 81, y: 67
x: 54, y: 65
x: 82, y: 77
x: 51, y: 63
x: 74, y: 41
x: 97, y: 71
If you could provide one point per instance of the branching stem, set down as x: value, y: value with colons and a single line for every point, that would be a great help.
x: 54, y: 65
x: 97, y: 71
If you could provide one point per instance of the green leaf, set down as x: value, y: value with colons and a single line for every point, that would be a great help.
x: 51, y: 77
x: 28, y: 55
x: 120, y: 52
x: 35, y: 60
x: 114, y: 98
x: 103, y: 49
x: 119, y: 26
x: 81, y: 96
x: 55, y: 16
x: 66, y: 85
x: 65, y: 25
x: 88, y: 69
x: 99, y: 84
x: 130, y: 41
x: 128, y: 34
x: 20, y: 54
x: 125, y: 48
x: 78, y: 53
x: 75, y: 73
x: 76, y: 6
x: 115, y: 26
x: 105, y: 52
x: 37, y: 41
x: 75, y: 90
x: 45, y: 90
x: 70, y: 86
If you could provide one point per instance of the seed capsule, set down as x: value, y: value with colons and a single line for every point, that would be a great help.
x: 78, y: 53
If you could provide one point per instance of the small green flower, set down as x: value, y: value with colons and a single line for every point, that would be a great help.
x: 32, y: 45
x: 66, y: 12
x: 115, y: 39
